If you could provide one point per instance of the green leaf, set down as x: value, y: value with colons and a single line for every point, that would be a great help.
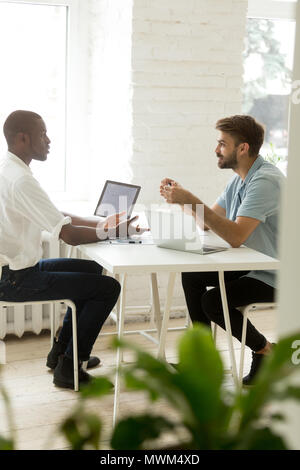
x: 157, y: 380
x: 264, y: 439
x: 198, y: 355
x: 6, y: 444
x: 291, y: 392
x: 132, y: 432
x: 277, y: 417
x: 276, y: 367
x: 82, y: 430
x: 97, y: 387
x: 148, y: 373
x: 193, y: 389
x: 287, y: 393
x: 70, y: 430
x: 200, y: 372
x: 134, y: 383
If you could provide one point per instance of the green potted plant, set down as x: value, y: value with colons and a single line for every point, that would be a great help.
x: 7, y: 443
x: 212, y: 417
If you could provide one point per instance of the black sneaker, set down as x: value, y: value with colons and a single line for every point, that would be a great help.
x: 257, y: 360
x: 58, y: 349
x: 64, y: 374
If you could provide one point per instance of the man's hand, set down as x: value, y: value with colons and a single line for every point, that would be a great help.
x: 173, y: 192
x: 113, y: 226
x: 126, y: 229
x: 136, y: 229
x: 108, y: 226
x: 122, y: 230
x: 112, y: 221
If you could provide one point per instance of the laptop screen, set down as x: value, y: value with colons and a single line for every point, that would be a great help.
x: 117, y: 197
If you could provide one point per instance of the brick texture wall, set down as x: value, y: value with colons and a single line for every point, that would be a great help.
x: 186, y: 73
x: 176, y: 67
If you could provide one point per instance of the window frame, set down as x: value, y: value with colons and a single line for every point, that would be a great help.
x: 272, y: 9
x: 76, y: 89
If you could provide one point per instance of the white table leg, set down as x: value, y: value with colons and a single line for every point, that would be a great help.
x: 228, y: 327
x: 165, y: 321
x: 155, y: 302
x: 119, y: 352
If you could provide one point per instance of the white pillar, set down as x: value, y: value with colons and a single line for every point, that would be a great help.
x: 289, y: 278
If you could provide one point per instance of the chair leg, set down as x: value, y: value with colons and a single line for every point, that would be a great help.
x: 215, y: 331
x: 52, y: 324
x: 188, y: 322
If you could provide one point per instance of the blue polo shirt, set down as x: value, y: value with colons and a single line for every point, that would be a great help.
x: 258, y: 197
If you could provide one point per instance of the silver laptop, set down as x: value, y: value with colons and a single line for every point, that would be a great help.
x: 176, y: 230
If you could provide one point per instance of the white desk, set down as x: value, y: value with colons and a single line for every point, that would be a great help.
x: 121, y: 260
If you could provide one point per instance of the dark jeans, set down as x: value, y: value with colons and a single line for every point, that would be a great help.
x: 205, y: 305
x: 78, y: 280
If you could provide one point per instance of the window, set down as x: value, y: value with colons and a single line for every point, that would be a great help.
x: 38, y: 43
x: 268, y: 64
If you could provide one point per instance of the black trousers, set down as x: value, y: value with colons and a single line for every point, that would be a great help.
x: 205, y: 305
x: 79, y: 280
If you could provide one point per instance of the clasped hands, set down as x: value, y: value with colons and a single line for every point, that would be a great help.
x: 173, y: 192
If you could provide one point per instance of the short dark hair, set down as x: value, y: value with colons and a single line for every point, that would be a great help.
x: 19, y: 121
x: 243, y: 129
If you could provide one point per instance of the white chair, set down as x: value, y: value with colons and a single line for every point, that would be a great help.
x: 245, y: 310
x: 52, y: 304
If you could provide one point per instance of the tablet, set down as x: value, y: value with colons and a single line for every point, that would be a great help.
x: 117, y: 197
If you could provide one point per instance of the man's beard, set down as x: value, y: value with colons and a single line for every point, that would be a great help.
x: 230, y: 162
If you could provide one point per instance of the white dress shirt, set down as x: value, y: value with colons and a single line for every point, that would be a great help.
x: 25, y: 211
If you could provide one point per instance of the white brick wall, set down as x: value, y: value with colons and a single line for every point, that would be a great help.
x: 186, y: 73
x: 163, y: 72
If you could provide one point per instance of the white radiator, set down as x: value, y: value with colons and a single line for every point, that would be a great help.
x: 17, y: 320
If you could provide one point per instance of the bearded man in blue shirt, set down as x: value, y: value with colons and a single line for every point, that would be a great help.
x: 247, y: 213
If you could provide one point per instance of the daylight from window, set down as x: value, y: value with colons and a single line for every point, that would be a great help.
x: 268, y: 64
x: 33, y: 48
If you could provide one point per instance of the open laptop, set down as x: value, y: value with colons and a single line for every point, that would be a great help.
x: 176, y: 230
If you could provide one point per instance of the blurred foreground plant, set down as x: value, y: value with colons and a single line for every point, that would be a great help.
x: 212, y: 417
x: 7, y: 443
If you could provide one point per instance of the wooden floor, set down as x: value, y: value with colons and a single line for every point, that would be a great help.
x: 39, y: 407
